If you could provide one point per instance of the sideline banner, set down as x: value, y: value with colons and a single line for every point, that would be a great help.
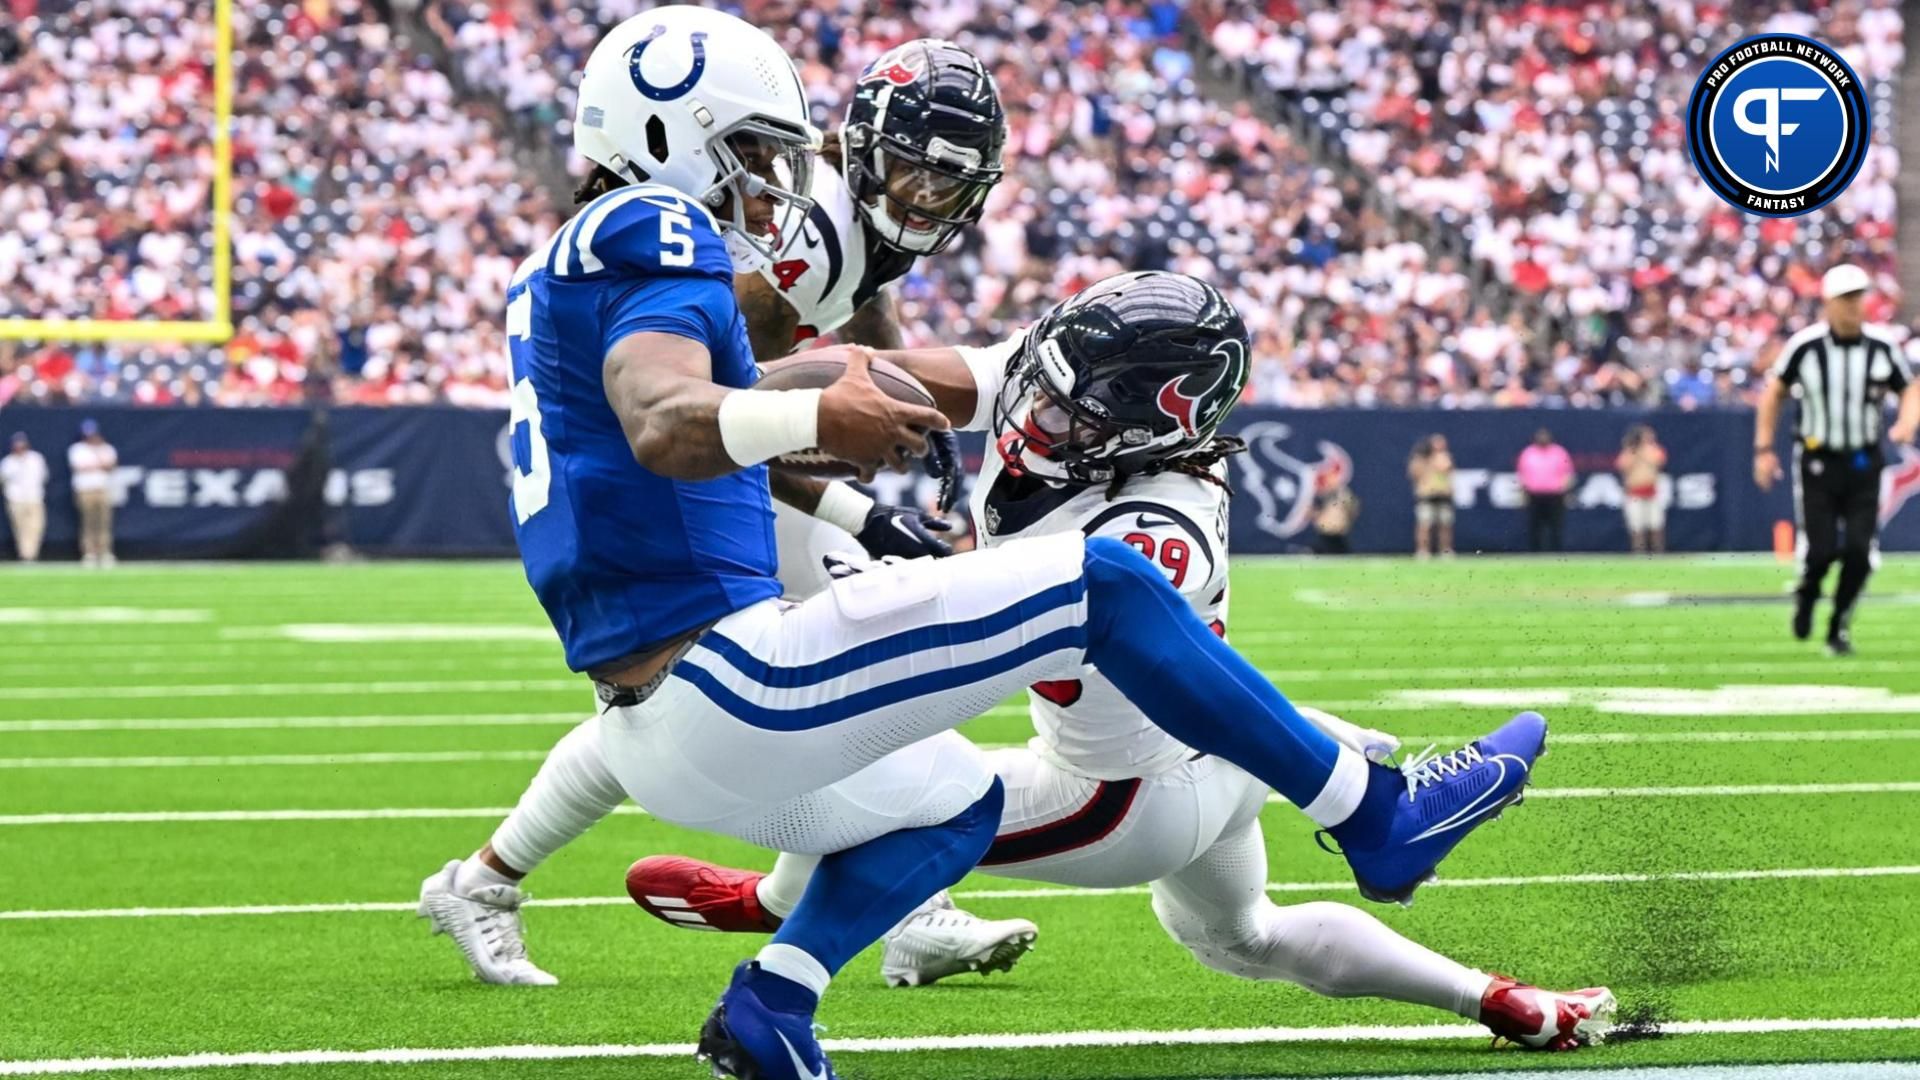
x: 226, y: 483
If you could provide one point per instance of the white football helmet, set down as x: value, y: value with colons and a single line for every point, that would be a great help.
x: 687, y: 97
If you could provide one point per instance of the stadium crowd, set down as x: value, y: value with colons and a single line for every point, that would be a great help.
x: 378, y: 217
x: 1553, y: 134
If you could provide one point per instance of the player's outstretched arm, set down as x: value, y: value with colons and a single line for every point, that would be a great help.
x: 771, y: 320
x: 874, y: 324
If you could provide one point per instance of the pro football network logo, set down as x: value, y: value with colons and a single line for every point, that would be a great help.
x: 1283, y: 484
x: 1778, y: 125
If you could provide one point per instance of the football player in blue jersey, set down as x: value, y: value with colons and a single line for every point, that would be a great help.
x: 824, y: 728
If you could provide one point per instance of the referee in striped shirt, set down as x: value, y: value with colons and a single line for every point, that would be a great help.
x: 1842, y: 373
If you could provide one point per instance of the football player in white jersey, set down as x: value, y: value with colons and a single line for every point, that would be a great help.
x: 910, y: 168
x: 1103, y: 425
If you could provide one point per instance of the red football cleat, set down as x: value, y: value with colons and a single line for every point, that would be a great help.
x: 1545, y: 1019
x: 696, y: 895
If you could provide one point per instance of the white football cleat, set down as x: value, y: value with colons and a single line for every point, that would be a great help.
x: 485, y: 923
x: 942, y: 940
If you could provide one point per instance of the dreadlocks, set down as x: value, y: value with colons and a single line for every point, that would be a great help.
x: 598, y: 182
x: 1198, y: 464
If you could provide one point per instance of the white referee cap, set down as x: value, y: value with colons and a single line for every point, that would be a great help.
x: 1843, y: 279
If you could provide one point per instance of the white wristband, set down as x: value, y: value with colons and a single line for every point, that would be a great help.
x: 756, y: 425
x: 843, y: 505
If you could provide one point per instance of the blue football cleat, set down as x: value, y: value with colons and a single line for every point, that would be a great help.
x: 762, y: 1029
x: 1445, y: 797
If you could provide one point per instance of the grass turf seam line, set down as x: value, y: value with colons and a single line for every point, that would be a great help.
x: 1037, y: 893
x: 904, y: 1044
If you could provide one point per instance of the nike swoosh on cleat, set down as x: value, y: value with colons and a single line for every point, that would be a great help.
x: 800, y: 1068
x: 1475, y: 808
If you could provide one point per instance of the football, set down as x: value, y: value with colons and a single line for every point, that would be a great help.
x: 817, y: 372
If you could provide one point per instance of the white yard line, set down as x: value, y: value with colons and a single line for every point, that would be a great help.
x: 101, y: 616
x: 226, y: 761
x: 273, y: 723
x: 1606, y: 738
x: 909, y: 1044
x: 1283, y: 676
x: 280, y: 689
x: 1677, y: 669
x: 542, y: 663
x: 1793, y: 873
x: 1894, y: 787
x: 363, y: 633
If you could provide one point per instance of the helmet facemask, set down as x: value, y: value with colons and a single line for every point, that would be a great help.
x: 1040, y: 431
x: 741, y: 154
x: 916, y: 201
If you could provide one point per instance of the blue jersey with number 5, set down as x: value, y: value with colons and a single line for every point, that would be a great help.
x: 621, y: 558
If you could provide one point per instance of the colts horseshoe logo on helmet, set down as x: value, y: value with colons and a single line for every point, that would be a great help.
x: 679, y: 89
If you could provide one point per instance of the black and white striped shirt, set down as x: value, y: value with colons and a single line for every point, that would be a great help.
x: 1841, y: 385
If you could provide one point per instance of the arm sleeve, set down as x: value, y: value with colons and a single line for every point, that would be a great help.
x: 699, y: 308
x: 989, y: 366
x: 1902, y: 372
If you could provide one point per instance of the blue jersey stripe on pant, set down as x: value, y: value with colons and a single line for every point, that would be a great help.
x: 877, y: 697
x: 918, y: 639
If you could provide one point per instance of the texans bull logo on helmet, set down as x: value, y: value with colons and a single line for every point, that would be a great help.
x: 1194, y: 411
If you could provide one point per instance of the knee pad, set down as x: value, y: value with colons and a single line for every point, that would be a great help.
x: 1230, y: 949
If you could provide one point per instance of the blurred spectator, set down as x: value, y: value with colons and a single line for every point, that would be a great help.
x: 1551, y: 134
x: 376, y: 222
x: 23, y: 477
x: 1546, y: 475
x: 1640, y: 464
x: 1431, y: 470
x: 378, y: 217
x: 92, y: 461
x: 1336, y: 508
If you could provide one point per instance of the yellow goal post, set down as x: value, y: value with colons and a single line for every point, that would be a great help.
x: 206, y: 331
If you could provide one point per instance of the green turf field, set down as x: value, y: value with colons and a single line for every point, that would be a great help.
x: 1723, y: 833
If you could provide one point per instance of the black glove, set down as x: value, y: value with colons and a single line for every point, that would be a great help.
x: 905, y: 532
x: 943, y: 464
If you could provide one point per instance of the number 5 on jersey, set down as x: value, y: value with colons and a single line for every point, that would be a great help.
x: 532, y: 470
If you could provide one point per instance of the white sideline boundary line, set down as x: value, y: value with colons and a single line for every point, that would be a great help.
x: 1041, y: 893
x: 405, y: 757
x: 910, y: 1044
x: 147, y: 817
